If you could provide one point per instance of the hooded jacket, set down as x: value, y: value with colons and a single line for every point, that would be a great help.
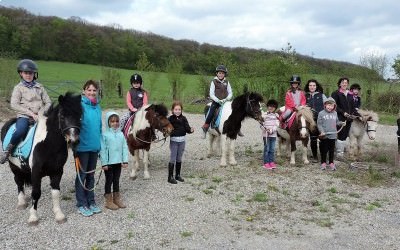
x: 327, y: 121
x: 90, y: 135
x: 114, y: 148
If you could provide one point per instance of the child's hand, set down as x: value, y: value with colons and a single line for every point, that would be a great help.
x: 105, y: 168
x: 322, y: 134
x: 124, y: 165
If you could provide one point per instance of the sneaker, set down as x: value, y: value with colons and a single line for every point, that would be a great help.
x: 203, y: 136
x: 323, y: 166
x: 94, y: 209
x: 272, y: 165
x: 332, y: 166
x: 85, y: 211
x: 267, y: 166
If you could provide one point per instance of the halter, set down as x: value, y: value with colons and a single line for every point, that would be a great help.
x: 152, y: 129
x: 252, y: 112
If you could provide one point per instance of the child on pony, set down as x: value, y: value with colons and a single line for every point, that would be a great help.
x: 220, y: 92
x: 136, y: 97
x: 28, y: 99
x: 294, y: 98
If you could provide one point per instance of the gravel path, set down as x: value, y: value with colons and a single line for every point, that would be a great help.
x: 240, y: 207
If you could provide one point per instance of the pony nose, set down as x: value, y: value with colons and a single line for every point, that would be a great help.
x: 72, y: 136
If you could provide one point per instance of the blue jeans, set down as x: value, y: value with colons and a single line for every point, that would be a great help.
x: 21, y: 128
x: 269, y: 149
x: 88, y: 162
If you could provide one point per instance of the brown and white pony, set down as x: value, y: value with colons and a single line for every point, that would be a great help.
x: 303, y: 123
x: 142, y: 133
x: 233, y: 113
x: 366, y: 122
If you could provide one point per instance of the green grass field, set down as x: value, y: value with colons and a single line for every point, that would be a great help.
x: 60, y: 77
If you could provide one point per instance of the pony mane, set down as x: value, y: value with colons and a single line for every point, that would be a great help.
x: 70, y: 103
x: 368, y: 115
x: 308, y: 115
x: 140, y: 121
x: 160, y: 109
x: 239, y: 102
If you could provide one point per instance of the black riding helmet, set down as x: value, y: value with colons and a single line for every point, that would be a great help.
x: 295, y: 79
x: 272, y: 103
x: 221, y: 68
x: 28, y: 65
x: 136, y: 78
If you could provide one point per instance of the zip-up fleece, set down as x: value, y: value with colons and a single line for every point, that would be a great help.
x: 114, y: 148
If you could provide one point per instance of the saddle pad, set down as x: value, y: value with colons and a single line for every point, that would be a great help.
x: 128, y: 125
x: 217, y: 117
x: 24, y: 148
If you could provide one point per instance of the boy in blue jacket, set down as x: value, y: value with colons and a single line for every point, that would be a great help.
x: 113, y: 156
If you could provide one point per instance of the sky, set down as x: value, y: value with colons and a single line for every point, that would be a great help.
x: 342, y: 30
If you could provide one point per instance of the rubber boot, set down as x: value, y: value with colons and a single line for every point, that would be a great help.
x: 118, y: 200
x: 178, y: 172
x: 171, y: 174
x: 109, y: 202
x: 6, y: 153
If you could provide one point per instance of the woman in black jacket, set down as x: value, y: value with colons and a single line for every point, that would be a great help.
x: 345, y: 109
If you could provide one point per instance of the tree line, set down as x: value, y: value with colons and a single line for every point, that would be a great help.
x: 24, y: 35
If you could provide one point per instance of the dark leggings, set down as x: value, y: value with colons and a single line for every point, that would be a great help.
x: 327, y: 146
x: 112, y: 178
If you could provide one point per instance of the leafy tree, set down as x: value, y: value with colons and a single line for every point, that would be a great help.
x: 376, y: 61
x: 174, y: 70
x: 396, y: 66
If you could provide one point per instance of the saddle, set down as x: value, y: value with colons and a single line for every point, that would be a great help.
x: 23, y: 149
x: 286, y: 124
x: 215, y: 121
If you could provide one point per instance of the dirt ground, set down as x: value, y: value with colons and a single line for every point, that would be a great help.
x: 235, y: 207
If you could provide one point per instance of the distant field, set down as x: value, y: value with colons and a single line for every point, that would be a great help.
x: 60, y: 77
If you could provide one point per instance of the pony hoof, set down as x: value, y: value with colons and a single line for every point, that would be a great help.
x: 292, y: 163
x: 133, y: 177
x: 233, y: 163
x: 146, y: 177
x: 22, y: 206
x: 33, y: 223
x: 62, y: 221
x: 306, y: 162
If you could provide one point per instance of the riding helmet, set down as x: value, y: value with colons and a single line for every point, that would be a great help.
x: 221, y: 68
x: 28, y: 65
x: 136, y: 78
x: 295, y: 79
x: 355, y: 86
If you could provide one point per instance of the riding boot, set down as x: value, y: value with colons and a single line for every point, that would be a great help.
x: 118, y: 200
x: 205, y: 129
x: 178, y: 172
x: 171, y: 173
x: 6, y: 153
x: 109, y: 202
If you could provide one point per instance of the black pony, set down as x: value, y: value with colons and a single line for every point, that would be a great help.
x: 233, y: 113
x: 55, y: 130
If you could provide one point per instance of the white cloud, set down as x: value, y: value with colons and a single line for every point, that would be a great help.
x: 338, y: 30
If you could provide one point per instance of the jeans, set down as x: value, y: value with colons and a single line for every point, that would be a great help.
x: 211, y: 112
x: 269, y: 149
x: 112, y: 174
x: 21, y: 128
x: 84, y: 197
x: 177, y: 149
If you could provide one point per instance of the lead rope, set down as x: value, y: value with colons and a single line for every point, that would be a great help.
x: 79, y: 170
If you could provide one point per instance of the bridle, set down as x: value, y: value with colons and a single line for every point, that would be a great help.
x: 152, y: 129
x: 251, y: 111
x: 66, y: 128
x: 367, y: 125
